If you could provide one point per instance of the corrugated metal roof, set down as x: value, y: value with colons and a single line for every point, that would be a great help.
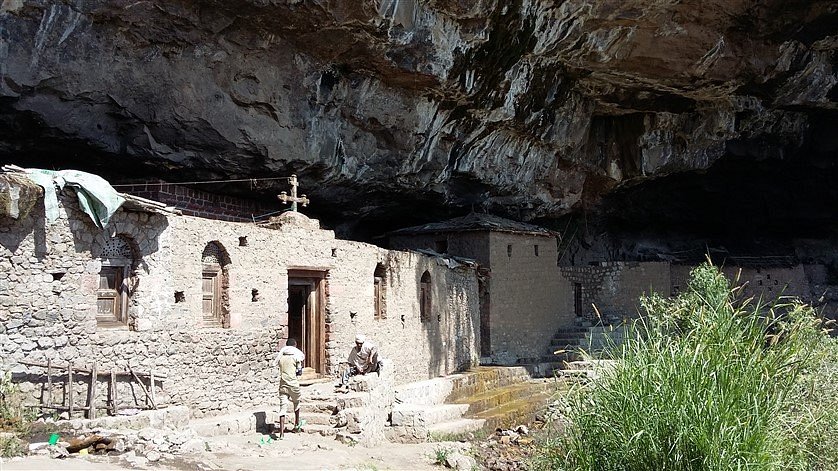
x: 476, y: 222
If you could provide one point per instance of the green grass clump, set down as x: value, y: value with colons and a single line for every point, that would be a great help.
x: 708, y: 383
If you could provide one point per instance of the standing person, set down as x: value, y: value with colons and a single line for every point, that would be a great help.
x: 290, y: 362
x: 363, y: 359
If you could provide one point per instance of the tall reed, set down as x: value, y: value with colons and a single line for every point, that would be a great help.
x: 705, y: 384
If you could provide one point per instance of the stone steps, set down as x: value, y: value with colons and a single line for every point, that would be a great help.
x: 504, y: 395
x: 426, y: 415
x: 516, y: 412
x: 455, y: 427
x: 484, y: 379
x: 477, y: 399
x: 318, y: 415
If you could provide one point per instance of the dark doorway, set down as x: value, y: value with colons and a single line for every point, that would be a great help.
x: 577, y: 299
x: 306, y: 316
x: 485, y: 325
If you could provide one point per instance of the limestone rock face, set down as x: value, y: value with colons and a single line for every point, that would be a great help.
x: 526, y: 107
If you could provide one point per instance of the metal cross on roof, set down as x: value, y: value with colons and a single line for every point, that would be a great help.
x: 293, y: 199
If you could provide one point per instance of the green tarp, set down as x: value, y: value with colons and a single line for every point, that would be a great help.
x: 96, y: 196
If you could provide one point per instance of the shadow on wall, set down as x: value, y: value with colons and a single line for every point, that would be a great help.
x: 442, y: 326
x: 34, y: 222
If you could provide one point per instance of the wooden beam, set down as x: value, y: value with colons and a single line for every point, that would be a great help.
x: 142, y: 386
x: 91, y: 393
x: 112, y: 393
x: 70, y: 390
x: 87, y: 371
x: 49, y: 383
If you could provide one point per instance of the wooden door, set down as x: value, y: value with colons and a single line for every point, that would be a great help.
x: 306, y: 314
x: 110, y: 297
x: 211, y: 297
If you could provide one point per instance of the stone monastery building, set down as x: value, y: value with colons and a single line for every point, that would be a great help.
x: 206, y: 304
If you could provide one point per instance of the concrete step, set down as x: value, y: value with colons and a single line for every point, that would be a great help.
x: 512, y: 413
x: 485, y: 379
x: 538, y: 369
x: 318, y: 407
x: 423, y: 415
x: 249, y: 422
x: 324, y: 430
x: 572, y: 331
x: 566, y: 340
x: 317, y: 419
x: 497, y: 397
x: 428, y: 392
x: 455, y: 427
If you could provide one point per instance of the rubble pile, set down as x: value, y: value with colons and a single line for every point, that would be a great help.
x: 506, y: 449
x: 136, y: 447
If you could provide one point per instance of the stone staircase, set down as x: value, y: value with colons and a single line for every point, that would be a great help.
x: 571, y: 342
x: 358, y: 415
x: 482, y: 398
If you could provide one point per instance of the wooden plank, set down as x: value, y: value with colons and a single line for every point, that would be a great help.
x: 49, y: 383
x: 142, y: 386
x: 151, y: 376
x: 70, y: 390
x: 112, y: 393
x: 157, y: 375
x: 91, y: 394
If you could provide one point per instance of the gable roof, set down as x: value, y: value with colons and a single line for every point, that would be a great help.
x: 476, y: 222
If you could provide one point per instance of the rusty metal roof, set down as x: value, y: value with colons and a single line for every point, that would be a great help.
x: 476, y: 222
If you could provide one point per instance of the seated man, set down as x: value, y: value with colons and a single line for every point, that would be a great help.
x: 363, y: 359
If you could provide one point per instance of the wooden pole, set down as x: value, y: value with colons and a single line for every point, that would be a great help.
x: 70, y: 390
x: 91, y: 394
x: 151, y: 376
x: 157, y: 375
x: 112, y: 392
x: 49, y: 383
x: 142, y: 386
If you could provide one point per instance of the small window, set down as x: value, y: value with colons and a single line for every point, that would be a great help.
x: 535, y: 249
x: 509, y: 250
x: 441, y: 246
x: 425, y: 297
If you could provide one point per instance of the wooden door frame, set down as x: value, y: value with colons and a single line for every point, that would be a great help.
x: 123, y: 268
x: 315, y: 314
x: 216, y: 274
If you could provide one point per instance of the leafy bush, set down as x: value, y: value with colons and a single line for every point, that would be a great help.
x: 15, y: 418
x: 708, y: 383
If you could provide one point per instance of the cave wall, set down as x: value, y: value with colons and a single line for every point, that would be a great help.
x: 529, y: 108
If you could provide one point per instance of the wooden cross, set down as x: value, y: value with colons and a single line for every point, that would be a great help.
x: 293, y: 199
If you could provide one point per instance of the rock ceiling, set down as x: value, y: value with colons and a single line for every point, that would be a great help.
x: 404, y: 111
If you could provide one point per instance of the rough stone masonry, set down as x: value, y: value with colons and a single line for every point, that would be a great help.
x: 51, y: 294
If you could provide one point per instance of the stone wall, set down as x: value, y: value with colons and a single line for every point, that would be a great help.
x: 529, y: 299
x: 616, y: 287
x: 526, y: 299
x: 766, y: 282
x: 49, y: 274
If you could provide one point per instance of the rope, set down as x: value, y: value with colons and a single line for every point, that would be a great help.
x: 232, y: 180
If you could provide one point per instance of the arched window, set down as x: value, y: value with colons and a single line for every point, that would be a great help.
x: 379, y: 292
x: 215, y: 280
x: 117, y: 257
x: 425, y: 297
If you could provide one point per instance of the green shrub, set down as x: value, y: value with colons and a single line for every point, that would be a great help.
x: 708, y: 383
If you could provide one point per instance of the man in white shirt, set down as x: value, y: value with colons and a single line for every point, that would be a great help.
x: 363, y: 359
x: 290, y: 363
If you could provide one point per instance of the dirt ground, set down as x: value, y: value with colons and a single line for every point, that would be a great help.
x: 245, y: 452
